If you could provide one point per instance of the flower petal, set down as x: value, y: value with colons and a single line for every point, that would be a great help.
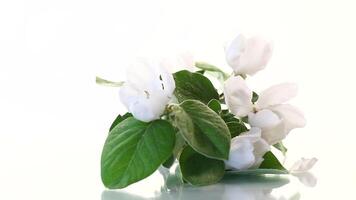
x: 263, y: 119
x: 241, y: 155
x: 261, y: 148
x: 234, y: 50
x: 247, y: 150
x: 148, y: 89
x: 273, y: 129
x: 144, y: 111
x: 303, y: 165
x: 238, y: 96
x: 292, y: 116
x: 276, y: 94
x: 274, y: 134
x: 247, y: 56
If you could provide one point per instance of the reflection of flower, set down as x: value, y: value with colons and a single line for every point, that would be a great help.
x: 300, y: 169
x: 269, y: 113
x: 247, y: 150
x: 241, y: 188
x: 148, y: 89
x: 248, y: 55
x: 232, y: 193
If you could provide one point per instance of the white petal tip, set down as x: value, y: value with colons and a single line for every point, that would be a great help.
x: 303, y: 165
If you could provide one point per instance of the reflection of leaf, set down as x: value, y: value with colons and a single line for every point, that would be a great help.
x: 255, y: 181
x: 242, y: 187
x: 172, y: 182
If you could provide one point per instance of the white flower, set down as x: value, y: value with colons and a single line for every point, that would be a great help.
x: 148, y: 89
x: 238, y: 96
x: 247, y: 150
x: 248, y: 55
x: 269, y: 113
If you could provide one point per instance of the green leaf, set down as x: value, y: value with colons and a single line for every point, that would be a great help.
x: 194, y: 86
x: 245, y: 119
x: 271, y: 162
x: 254, y: 97
x: 178, y: 147
x: 236, y: 128
x: 228, y: 117
x: 211, y: 68
x: 215, y: 105
x: 119, y: 119
x: 257, y: 171
x: 198, y: 169
x: 202, y: 128
x: 280, y: 146
x: 200, y: 71
x: 101, y: 81
x: 179, y: 144
x: 134, y: 150
x: 169, y: 162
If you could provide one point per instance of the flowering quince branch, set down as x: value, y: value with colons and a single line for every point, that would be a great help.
x: 176, y: 113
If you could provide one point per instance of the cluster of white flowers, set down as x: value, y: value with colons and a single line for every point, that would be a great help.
x: 270, y: 118
x: 150, y: 87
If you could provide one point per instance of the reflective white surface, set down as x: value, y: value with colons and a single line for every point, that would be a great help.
x: 230, y: 188
x: 54, y: 119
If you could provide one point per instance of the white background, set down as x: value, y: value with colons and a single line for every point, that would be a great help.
x: 54, y: 118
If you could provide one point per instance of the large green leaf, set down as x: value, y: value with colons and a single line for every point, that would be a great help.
x: 198, y: 169
x: 134, y: 150
x: 202, y: 128
x: 215, y: 105
x: 271, y: 162
x: 194, y: 86
x: 119, y: 119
